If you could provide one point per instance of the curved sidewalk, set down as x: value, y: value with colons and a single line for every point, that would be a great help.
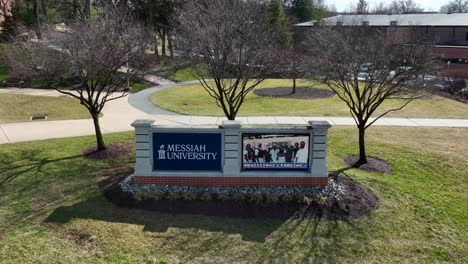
x: 120, y: 113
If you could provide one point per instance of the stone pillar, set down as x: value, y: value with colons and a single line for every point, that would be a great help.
x: 232, y: 148
x: 318, y: 151
x: 143, y: 148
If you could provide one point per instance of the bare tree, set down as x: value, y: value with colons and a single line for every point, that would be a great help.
x: 362, y: 7
x: 366, y: 67
x: 76, y: 9
x: 290, y: 63
x: 405, y: 7
x: 231, y: 39
x: 93, y: 53
x: 455, y: 6
x: 455, y: 84
x: 380, y: 8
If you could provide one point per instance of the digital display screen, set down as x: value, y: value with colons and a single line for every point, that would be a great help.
x: 275, y: 152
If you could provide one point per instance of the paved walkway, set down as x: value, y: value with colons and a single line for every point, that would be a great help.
x: 120, y: 113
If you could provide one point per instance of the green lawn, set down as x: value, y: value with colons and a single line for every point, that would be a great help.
x: 20, y: 108
x: 52, y: 211
x: 140, y: 86
x: 193, y: 100
x: 176, y: 70
x: 183, y: 75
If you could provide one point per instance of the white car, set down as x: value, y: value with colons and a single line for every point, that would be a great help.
x: 363, y: 76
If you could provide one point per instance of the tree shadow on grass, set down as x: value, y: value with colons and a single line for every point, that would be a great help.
x: 99, y: 209
x: 11, y: 172
x: 322, y: 240
x: 318, y: 238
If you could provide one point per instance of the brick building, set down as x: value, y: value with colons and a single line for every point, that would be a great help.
x: 449, y: 32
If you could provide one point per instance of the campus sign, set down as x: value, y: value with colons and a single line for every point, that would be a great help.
x: 231, y: 155
x: 187, y: 151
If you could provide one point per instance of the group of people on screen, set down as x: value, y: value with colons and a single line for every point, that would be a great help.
x: 276, y: 153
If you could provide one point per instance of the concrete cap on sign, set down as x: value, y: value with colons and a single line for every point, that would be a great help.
x: 319, y: 124
x: 142, y: 123
x: 231, y: 124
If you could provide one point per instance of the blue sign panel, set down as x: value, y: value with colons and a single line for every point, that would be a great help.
x: 187, y: 151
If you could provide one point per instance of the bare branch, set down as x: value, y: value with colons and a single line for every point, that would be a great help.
x: 230, y: 37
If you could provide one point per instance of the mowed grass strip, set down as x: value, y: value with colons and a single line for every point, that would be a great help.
x: 51, y: 209
x: 20, y: 108
x: 193, y: 100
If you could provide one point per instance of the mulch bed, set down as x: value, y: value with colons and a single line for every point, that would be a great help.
x: 372, y: 165
x: 355, y: 203
x: 301, y: 93
x: 112, y: 152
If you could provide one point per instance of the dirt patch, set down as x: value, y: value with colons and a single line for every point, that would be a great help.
x: 112, y: 152
x: 356, y: 202
x: 81, y: 239
x: 301, y: 93
x: 372, y: 165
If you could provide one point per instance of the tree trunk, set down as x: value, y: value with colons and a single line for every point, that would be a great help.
x: 169, y: 43
x: 156, y: 51
x: 44, y: 9
x: 74, y: 9
x: 362, y: 146
x: 163, y: 44
x: 87, y: 9
x: 97, y: 128
x: 38, y: 19
x: 294, y: 86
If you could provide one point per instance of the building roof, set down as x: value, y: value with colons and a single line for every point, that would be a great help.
x: 433, y: 20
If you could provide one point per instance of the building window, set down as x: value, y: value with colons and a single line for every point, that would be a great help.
x: 365, y: 23
x: 339, y: 23
x: 393, y: 23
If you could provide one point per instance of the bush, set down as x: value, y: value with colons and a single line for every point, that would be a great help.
x: 173, y: 196
x: 238, y: 196
x: 157, y: 196
x: 319, y: 198
x: 189, y: 196
x: 223, y: 197
x: 301, y: 198
x: 287, y: 197
x: 206, y: 196
x: 271, y: 198
x: 139, y: 196
x: 256, y: 198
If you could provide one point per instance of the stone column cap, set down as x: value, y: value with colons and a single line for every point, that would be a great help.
x: 320, y: 124
x: 142, y: 123
x: 231, y: 124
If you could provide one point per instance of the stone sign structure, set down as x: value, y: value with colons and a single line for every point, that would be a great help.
x: 231, y: 155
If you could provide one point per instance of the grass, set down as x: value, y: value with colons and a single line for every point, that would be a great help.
x: 176, y: 70
x: 193, y: 100
x: 20, y: 108
x: 52, y: 211
x: 140, y: 86
x: 183, y: 75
